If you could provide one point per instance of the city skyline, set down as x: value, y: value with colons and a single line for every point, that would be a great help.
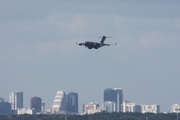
x: 39, y: 55
x: 68, y: 103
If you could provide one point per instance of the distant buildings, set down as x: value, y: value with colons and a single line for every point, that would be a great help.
x: 115, y: 95
x: 131, y: 107
x: 59, y: 103
x: 134, y: 107
x: 72, y: 103
x: 5, y: 108
x: 68, y: 104
x: 16, y: 100
x: 43, y: 108
x: 110, y: 106
x: 92, y: 107
x: 150, y: 108
x: 36, y: 104
x: 26, y: 111
x: 65, y: 103
x: 175, y: 108
x: 48, y: 111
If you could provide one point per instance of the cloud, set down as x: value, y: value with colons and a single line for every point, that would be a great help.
x: 143, y: 23
x: 80, y: 23
x: 151, y: 40
x: 71, y: 23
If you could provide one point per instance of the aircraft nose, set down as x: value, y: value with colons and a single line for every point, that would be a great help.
x: 81, y: 44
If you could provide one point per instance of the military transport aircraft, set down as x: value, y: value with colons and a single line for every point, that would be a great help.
x: 95, y: 45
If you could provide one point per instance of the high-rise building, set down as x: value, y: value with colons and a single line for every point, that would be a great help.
x: 72, y: 102
x: 110, y: 106
x: 59, y: 103
x: 5, y: 108
x: 16, y: 100
x: 36, y: 103
x: 116, y: 95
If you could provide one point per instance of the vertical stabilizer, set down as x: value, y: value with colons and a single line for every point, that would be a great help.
x: 103, y: 39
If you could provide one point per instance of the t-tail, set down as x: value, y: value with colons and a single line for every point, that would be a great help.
x: 103, y: 39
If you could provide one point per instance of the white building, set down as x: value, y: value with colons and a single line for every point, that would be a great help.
x: 59, y: 103
x: 130, y: 107
x: 98, y: 109
x: 124, y: 105
x: 26, y: 111
x: 88, y: 106
x: 16, y: 100
x: 92, y: 107
x: 175, y: 108
x: 150, y: 108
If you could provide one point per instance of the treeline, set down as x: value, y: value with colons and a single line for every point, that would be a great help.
x: 97, y: 116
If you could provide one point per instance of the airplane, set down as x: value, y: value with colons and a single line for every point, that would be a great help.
x: 95, y: 45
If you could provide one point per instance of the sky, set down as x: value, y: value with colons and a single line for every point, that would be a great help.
x: 39, y: 55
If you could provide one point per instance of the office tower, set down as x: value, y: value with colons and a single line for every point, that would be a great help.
x: 72, y: 102
x: 36, y: 103
x: 59, y: 103
x: 110, y: 106
x: 16, y: 100
x: 5, y: 108
x: 116, y: 95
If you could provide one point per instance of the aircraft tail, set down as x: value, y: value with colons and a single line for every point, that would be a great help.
x: 103, y: 39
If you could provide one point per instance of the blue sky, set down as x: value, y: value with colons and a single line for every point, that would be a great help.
x: 39, y: 55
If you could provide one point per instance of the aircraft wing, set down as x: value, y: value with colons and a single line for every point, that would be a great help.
x: 109, y: 44
x: 106, y: 44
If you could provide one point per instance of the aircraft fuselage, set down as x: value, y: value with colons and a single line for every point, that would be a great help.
x: 94, y: 45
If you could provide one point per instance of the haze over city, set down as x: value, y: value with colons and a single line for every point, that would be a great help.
x: 39, y: 55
